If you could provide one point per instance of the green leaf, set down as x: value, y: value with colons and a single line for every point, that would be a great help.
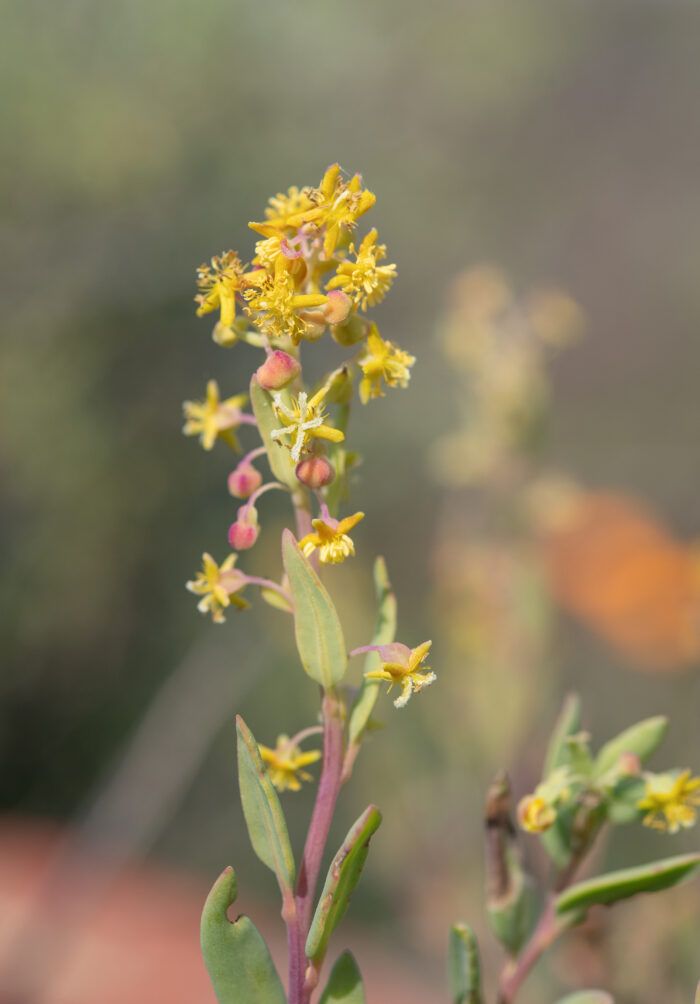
x: 607, y: 889
x: 567, y: 724
x: 513, y: 917
x: 464, y: 966
x: 236, y: 957
x: 279, y: 456
x: 318, y: 632
x: 384, y: 632
x: 344, y: 984
x: 587, y: 997
x: 642, y: 739
x: 623, y: 800
x: 557, y: 840
x: 341, y: 881
x: 262, y: 810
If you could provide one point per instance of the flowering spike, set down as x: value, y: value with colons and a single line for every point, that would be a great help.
x: 285, y: 763
x: 302, y: 421
x: 213, y: 417
x: 218, y: 586
x: 671, y: 801
x: 331, y: 537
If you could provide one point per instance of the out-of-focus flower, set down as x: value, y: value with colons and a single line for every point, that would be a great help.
x: 303, y: 421
x: 331, y: 538
x: 283, y: 207
x: 671, y: 801
x: 213, y: 417
x: 243, y: 534
x: 366, y: 281
x: 219, y: 283
x: 244, y: 480
x: 218, y: 586
x: 535, y: 814
x: 402, y: 667
x: 382, y: 361
x: 285, y: 763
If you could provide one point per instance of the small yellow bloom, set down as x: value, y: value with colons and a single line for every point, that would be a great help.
x: 401, y: 667
x: 213, y: 417
x: 284, y: 763
x: 536, y: 814
x: 331, y: 537
x: 218, y: 586
x: 273, y: 301
x: 335, y: 204
x: 670, y: 802
x: 219, y: 285
x: 365, y: 280
x: 303, y: 421
x: 382, y: 361
x: 282, y: 207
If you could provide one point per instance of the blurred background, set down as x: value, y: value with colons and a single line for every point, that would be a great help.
x: 558, y: 143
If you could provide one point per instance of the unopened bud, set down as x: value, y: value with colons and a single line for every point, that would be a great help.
x: 244, y: 532
x: 630, y: 764
x: 338, y: 308
x: 278, y: 370
x: 353, y: 331
x: 315, y: 472
x: 244, y: 480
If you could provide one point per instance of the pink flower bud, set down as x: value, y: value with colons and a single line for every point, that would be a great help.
x: 244, y: 532
x: 244, y: 480
x: 630, y: 764
x: 278, y: 370
x: 315, y: 472
x: 337, y: 309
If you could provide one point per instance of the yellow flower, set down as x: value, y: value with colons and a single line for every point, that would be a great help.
x: 275, y: 301
x: 382, y: 361
x: 401, y: 667
x: 331, y: 537
x: 364, y: 280
x: 281, y: 207
x: 213, y: 417
x: 218, y: 586
x: 219, y: 284
x: 670, y: 801
x: 284, y: 763
x: 536, y: 814
x: 303, y: 421
x: 335, y: 204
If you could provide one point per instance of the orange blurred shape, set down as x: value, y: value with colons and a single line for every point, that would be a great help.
x: 618, y: 569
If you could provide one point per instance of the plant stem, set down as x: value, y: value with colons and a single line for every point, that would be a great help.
x: 328, y: 787
x: 515, y: 971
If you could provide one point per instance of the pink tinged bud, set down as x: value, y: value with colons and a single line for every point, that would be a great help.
x: 338, y: 308
x: 278, y: 370
x: 244, y: 481
x: 315, y: 472
x: 244, y: 532
x: 630, y: 764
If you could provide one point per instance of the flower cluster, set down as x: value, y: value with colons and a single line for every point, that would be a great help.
x: 310, y: 273
x: 583, y: 791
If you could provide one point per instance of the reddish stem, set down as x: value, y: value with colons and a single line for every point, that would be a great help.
x: 326, y: 796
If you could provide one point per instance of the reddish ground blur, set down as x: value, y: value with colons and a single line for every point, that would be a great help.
x: 131, y: 936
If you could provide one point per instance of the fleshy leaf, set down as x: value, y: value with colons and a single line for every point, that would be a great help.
x: 318, y: 632
x: 281, y: 463
x: 587, y: 997
x: 607, y: 889
x: 384, y: 632
x: 568, y: 723
x: 623, y: 800
x: 464, y: 966
x: 344, y: 984
x: 642, y: 739
x: 341, y: 881
x: 236, y: 957
x: 262, y: 810
x: 557, y: 841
